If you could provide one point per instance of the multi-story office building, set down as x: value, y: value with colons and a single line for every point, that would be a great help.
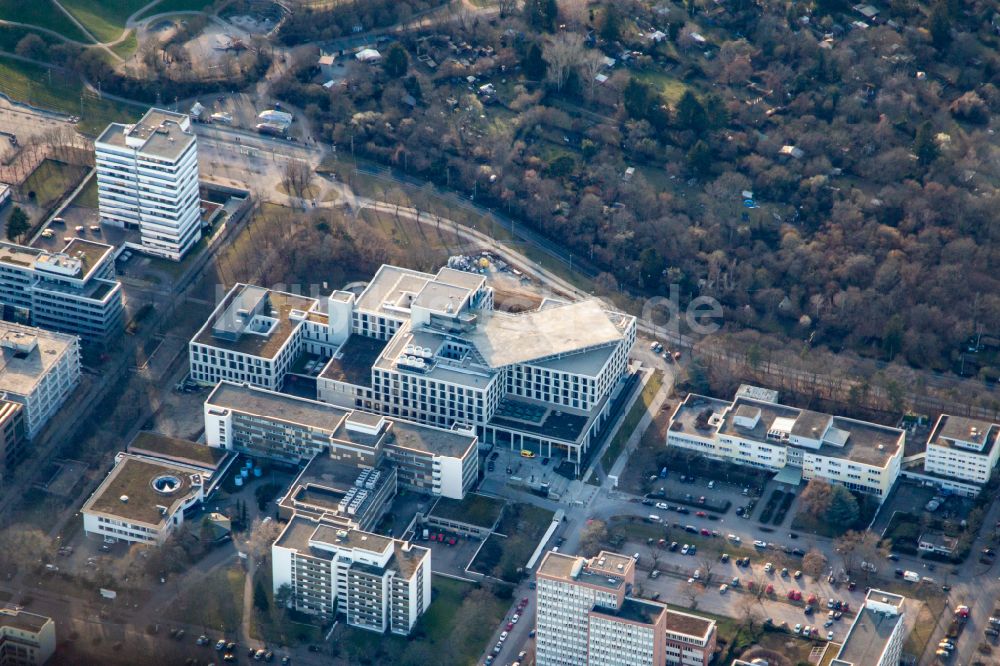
x: 294, y: 430
x: 585, y: 617
x: 38, y: 369
x: 152, y: 487
x: 254, y: 336
x: 147, y: 179
x: 430, y: 348
x: 754, y: 429
x: 12, y: 437
x: 375, y: 582
x: 73, y: 291
x: 962, y: 448
x: 26, y: 639
x: 876, y: 636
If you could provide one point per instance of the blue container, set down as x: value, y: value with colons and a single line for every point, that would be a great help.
x: 258, y: 472
x: 244, y: 473
x: 239, y: 481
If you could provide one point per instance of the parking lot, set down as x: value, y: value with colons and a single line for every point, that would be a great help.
x: 528, y: 473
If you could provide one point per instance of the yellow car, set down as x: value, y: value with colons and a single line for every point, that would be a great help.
x: 525, y: 453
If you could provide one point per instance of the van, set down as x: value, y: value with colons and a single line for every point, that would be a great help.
x: 653, y: 518
x: 911, y: 576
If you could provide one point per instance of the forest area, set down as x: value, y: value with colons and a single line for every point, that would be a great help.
x: 632, y: 131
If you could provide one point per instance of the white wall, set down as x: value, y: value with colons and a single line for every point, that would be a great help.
x: 451, y: 476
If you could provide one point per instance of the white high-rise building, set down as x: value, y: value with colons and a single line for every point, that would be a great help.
x: 147, y: 179
x: 38, y: 369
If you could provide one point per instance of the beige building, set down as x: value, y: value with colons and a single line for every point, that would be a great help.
x: 26, y: 639
x: 586, y: 617
x: 962, y: 448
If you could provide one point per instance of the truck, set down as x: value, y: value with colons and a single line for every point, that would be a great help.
x: 911, y: 576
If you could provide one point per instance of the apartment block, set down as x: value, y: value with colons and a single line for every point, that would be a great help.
x: 147, y: 179
x: 38, y: 369
x: 962, y: 448
x: 430, y: 348
x: 876, y: 636
x: 152, y: 488
x: 755, y: 429
x: 374, y: 582
x: 12, y: 437
x: 73, y: 291
x: 294, y: 430
x: 586, y: 616
x: 26, y: 639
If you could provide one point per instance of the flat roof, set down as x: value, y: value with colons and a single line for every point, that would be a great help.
x: 296, y: 535
x: 474, y: 375
x: 406, y: 560
x: 688, y: 624
x: 868, y: 637
x: 278, y: 406
x: 133, y: 477
x: 504, y: 338
x: 159, y: 130
x: 173, y: 448
x: 375, y: 543
x: 470, y: 281
x: 90, y: 253
x: 428, y: 439
x: 264, y: 346
x: 27, y: 354
x: 552, y: 422
x: 475, y: 509
x: 634, y: 610
x: 440, y: 297
x: 22, y: 620
x: 560, y: 566
x: 354, y: 360
x: 948, y: 428
x: 390, y: 284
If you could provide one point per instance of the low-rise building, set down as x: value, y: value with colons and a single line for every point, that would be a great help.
x: 74, y: 291
x: 152, y: 488
x: 289, y: 429
x: 585, y: 615
x: 38, y: 369
x: 374, y: 582
x: 26, y: 639
x: 963, y: 448
x: 876, y: 636
x: 754, y: 429
x: 937, y: 542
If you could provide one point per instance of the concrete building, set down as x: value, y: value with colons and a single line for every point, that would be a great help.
x: 294, y: 430
x: 876, y: 636
x: 585, y: 616
x: 26, y: 639
x: 754, y: 429
x: 152, y: 488
x: 147, y: 179
x: 374, y: 582
x: 38, y: 369
x: 430, y: 348
x: 962, y: 448
x: 12, y: 437
x: 73, y: 291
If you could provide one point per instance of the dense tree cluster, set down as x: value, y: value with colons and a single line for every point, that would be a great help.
x: 872, y: 225
x: 308, y: 25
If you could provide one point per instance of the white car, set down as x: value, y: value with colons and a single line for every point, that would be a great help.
x: 697, y: 574
x: 503, y: 635
x: 798, y: 628
x: 768, y: 568
x: 734, y: 538
x: 723, y: 588
x: 662, y: 505
x: 760, y: 544
x: 514, y: 619
x: 829, y: 635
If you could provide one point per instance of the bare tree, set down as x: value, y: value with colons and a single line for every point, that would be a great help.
x: 296, y: 178
x: 750, y: 612
x: 506, y: 7
x: 262, y: 534
x: 707, y: 564
x: 692, y: 592
x: 591, y: 64
x: 814, y: 563
x: 563, y: 52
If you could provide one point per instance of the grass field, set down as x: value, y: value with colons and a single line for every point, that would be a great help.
x: 672, y: 89
x: 42, y: 13
x: 166, y: 6
x: 105, y: 19
x: 51, y: 180
x: 443, y: 634
x: 10, y: 35
x: 215, y: 604
x: 53, y: 89
x: 126, y: 47
x: 632, y: 419
x: 87, y: 198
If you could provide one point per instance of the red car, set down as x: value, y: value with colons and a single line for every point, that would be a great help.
x: 791, y: 594
x: 770, y: 589
x: 524, y: 601
x: 705, y: 532
x: 441, y: 537
x: 811, y: 599
x: 452, y: 541
x: 700, y: 514
x: 510, y: 626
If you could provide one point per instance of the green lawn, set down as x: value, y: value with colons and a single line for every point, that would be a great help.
x: 126, y: 47
x: 454, y: 630
x: 60, y: 91
x: 671, y: 88
x: 87, y: 198
x: 10, y: 35
x: 215, y: 603
x: 42, y: 13
x: 165, y: 6
x: 635, y: 415
x: 475, y: 509
x: 105, y: 19
x: 51, y: 180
